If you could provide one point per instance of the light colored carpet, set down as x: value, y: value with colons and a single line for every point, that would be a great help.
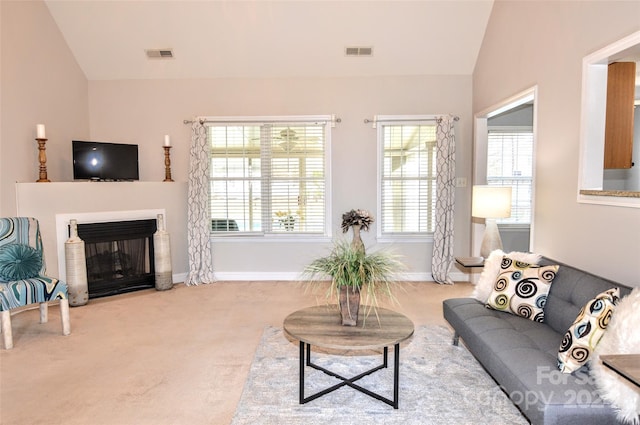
x: 160, y: 357
x: 439, y: 384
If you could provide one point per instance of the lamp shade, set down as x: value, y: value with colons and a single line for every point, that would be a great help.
x: 491, y: 202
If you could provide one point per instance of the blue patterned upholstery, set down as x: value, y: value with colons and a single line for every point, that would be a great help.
x: 36, y: 290
x: 13, y: 294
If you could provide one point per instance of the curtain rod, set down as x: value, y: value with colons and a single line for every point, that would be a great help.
x: 333, y: 119
x: 417, y: 118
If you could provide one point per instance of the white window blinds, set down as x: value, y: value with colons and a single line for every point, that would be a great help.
x: 268, y: 177
x: 510, y: 163
x: 408, y: 176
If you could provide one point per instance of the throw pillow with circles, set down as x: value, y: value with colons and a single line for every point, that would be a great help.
x: 491, y: 269
x: 583, y: 335
x: 522, y: 289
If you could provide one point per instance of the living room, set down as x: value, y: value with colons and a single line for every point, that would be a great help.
x: 519, y: 45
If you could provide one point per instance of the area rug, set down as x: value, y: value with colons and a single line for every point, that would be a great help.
x: 439, y: 384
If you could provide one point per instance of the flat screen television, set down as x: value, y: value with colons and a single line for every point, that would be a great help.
x: 104, y: 161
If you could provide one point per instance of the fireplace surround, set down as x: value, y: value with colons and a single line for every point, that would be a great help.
x: 118, y: 248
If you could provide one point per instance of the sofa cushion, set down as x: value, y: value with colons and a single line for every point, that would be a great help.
x: 522, y: 288
x: 584, y: 334
x: 571, y: 290
x: 19, y: 261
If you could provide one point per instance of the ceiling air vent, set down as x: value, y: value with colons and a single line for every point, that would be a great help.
x: 358, y: 51
x: 159, y: 53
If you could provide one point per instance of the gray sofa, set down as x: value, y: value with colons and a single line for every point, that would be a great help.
x: 521, y: 354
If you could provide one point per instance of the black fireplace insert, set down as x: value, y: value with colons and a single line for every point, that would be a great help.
x: 119, y: 256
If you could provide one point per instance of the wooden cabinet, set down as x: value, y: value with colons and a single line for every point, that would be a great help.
x: 618, y: 139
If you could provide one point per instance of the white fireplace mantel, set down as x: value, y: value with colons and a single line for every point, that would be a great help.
x: 54, y: 204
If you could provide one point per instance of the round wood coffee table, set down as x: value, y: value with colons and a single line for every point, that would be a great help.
x: 321, y: 326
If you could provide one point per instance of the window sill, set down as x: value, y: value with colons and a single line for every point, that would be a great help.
x: 513, y: 227
x: 271, y: 239
x: 405, y: 239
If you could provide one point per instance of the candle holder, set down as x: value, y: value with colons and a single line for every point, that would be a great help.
x: 167, y: 164
x: 42, y: 157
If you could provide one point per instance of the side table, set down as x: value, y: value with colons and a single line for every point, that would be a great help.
x: 625, y: 365
x: 470, y: 262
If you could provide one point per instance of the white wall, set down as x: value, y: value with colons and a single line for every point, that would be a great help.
x: 527, y: 43
x: 143, y: 111
x: 543, y: 43
x: 41, y: 83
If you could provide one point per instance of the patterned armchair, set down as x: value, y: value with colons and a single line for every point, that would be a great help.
x: 22, y: 279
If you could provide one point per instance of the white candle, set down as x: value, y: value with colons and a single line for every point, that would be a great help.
x: 40, y: 131
x: 167, y: 140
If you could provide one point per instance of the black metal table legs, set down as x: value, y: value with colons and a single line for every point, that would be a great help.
x: 305, y: 360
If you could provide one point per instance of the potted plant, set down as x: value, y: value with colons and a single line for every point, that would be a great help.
x: 355, y: 275
x: 286, y: 219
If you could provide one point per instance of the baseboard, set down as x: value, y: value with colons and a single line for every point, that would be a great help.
x: 460, y: 277
x: 179, y: 277
x: 292, y: 276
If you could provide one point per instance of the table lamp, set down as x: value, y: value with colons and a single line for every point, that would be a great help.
x: 491, y: 202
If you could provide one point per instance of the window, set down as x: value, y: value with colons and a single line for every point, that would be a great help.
x: 269, y: 177
x: 510, y: 163
x: 407, y: 176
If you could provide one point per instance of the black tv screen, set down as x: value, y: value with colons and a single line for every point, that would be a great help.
x: 104, y: 161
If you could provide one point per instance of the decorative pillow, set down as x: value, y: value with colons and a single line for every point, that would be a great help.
x: 19, y: 261
x: 522, y: 288
x: 582, y: 337
x: 621, y: 337
x: 492, y: 269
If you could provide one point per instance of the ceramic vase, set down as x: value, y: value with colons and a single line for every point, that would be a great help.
x: 76, y: 267
x: 162, y: 256
x: 357, y: 241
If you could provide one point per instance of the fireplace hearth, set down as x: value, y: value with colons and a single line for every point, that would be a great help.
x: 119, y: 256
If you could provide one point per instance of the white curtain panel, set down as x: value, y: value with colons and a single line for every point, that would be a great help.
x: 442, y: 258
x: 198, y: 221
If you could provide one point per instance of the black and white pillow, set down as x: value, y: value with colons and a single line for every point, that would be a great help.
x: 522, y: 288
x: 583, y: 335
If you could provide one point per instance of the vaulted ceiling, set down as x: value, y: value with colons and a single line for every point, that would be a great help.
x: 297, y: 38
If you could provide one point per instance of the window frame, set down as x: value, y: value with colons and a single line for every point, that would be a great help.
x: 378, y: 123
x: 261, y: 236
x: 515, y: 129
